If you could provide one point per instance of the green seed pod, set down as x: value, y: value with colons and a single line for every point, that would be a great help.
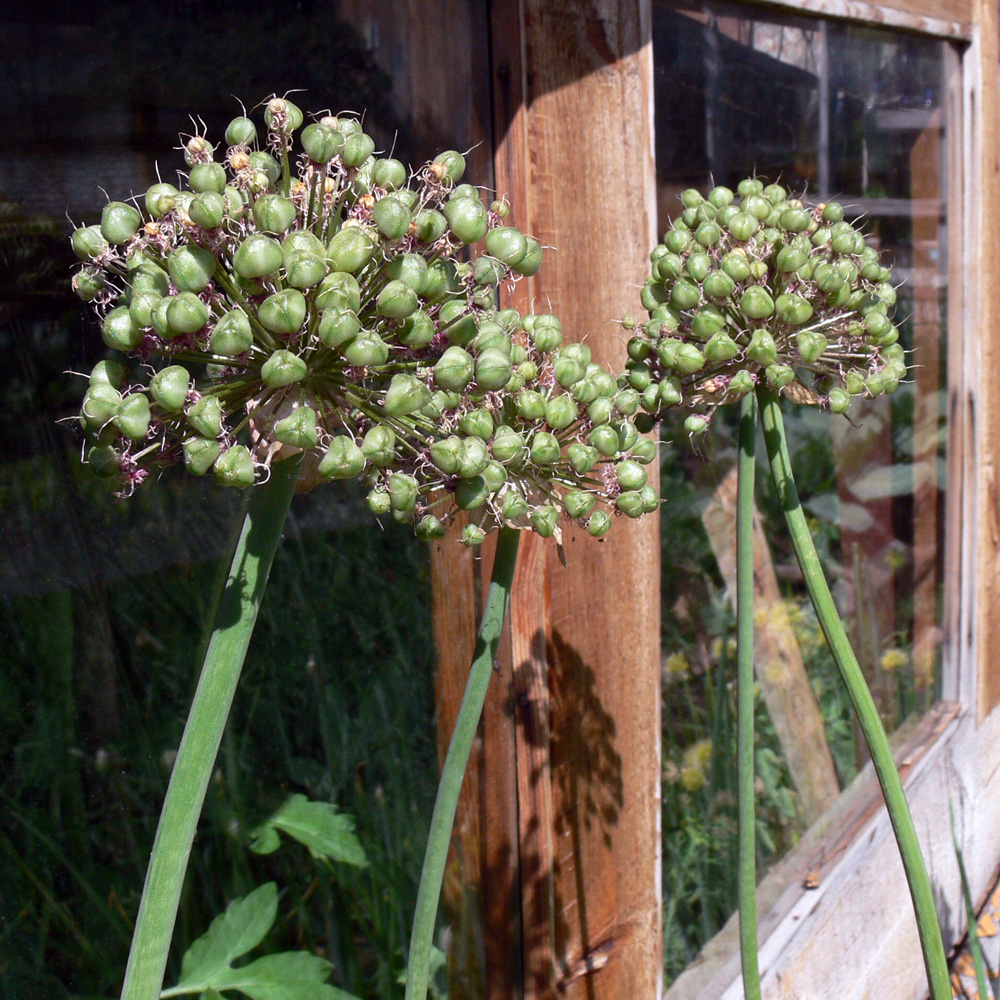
x: 605, y: 440
x: 531, y: 262
x: 170, y: 387
x: 241, y: 131
x: 568, y: 368
x: 429, y: 528
x: 150, y: 278
x: 205, y: 416
x: 111, y: 372
x: 494, y: 475
x: 654, y: 294
x: 88, y: 242
x: 133, y: 416
x: 378, y: 500
x: 207, y: 210
x: 630, y: 503
x: 670, y: 391
x: 775, y: 193
x: 627, y: 435
x: 446, y: 454
x: 708, y: 234
x: 191, y: 268
x: 684, y: 294
x: 810, y: 345
x: 601, y: 410
x: 283, y: 368
x: 358, y: 147
x: 560, y: 412
x: 389, y: 174
x: 104, y: 461
x: 367, y: 350
x: 821, y: 237
x: 758, y: 206
x: 350, y: 249
x: 546, y: 332
x: 403, y: 491
x: 492, y: 336
x: 474, y: 457
x: 507, y: 244
x: 721, y: 347
x: 678, y: 240
x: 833, y: 212
x: 741, y: 383
x: 631, y: 475
x: 579, y: 504
x: 120, y: 222
x: 583, y: 457
x: 284, y: 312
x: 696, y: 424
x: 457, y: 322
x: 87, y: 284
x: 584, y: 391
x: 795, y: 220
x: 266, y: 164
x: 599, y: 524
x: 303, y: 270
x: 488, y: 271
x: 668, y: 266
x: 392, y: 217
x: 843, y: 243
x: 644, y: 451
x: 207, y: 177
x: 454, y: 369
x: 718, y: 285
x: 282, y: 116
x: 507, y: 444
x: 468, y: 219
x: 379, y: 445
x: 545, y: 448
x: 762, y: 348
x: 839, y: 399
x: 736, y: 266
x: 472, y: 493
x: 321, y: 142
x: 298, y: 429
x: 650, y: 500
x: 472, y: 535
x: 793, y: 309
x: 409, y: 268
x: 791, y: 258
x: 200, y: 454
x: 477, y: 423
x: 778, y: 376
x: 302, y: 241
x: 707, y: 322
x: 100, y: 405
x: 273, y: 213
x: 338, y: 326
x: 697, y: 266
x: 493, y: 369
x: 258, y: 256
x: 429, y: 225
x: 453, y: 164
x: 530, y: 405
x: 638, y: 375
x: 160, y: 199
x: 343, y: 459
x: 119, y: 330
x: 406, y: 394
x: 854, y: 382
x: 895, y: 354
x: 720, y: 196
x: 339, y: 290
x: 688, y: 359
x: 397, y: 300
x: 544, y: 520
x: 757, y: 303
x: 417, y: 330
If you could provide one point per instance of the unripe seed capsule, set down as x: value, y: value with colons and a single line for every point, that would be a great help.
x: 429, y: 225
x: 468, y: 219
x: 670, y: 391
x: 493, y: 369
x: 87, y: 284
x: 207, y: 177
x: 477, y: 423
x: 408, y: 267
x: 605, y: 440
x: 303, y: 270
x: 284, y: 312
x: 453, y: 163
x: 120, y: 222
x: 258, y: 256
x: 472, y: 493
x: 429, y: 527
x: 582, y: 457
x: 339, y: 290
x: 321, y: 142
x: 560, y: 412
x: 350, y: 249
x: 631, y: 475
x: 200, y: 454
x: 100, y: 405
x: 793, y: 309
x: 736, y: 266
x: 417, y: 330
x: 697, y: 266
x: 488, y: 271
x: 378, y: 500
x: 696, y: 423
x: 273, y: 213
x: 207, y: 210
x: 241, y: 131
x: 757, y: 303
x: 840, y: 400
x: 688, y: 359
x: 707, y: 322
x: 454, y: 369
x: 397, y: 300
x: 545, y: 448
x: 507, y: 444
x: 367, y: 349
x: 88, y: 242
x: 601, y: 410
x: 205, y: 416
x: 741, y: 383
x: 544, y: 520
x: 282, y: 116
x: 358, y: 147
x: 531, y: 262
x: 379, y: 445
x: 472, y: 535
x: 762, y: 348
x: 630, y: 503
x: 191, y: 268
x: 644, y: 450
x: 718, y: 285
x: 778, y: 376
x: 119, y: 330
x: 338, y: 326
x: 507, y: 244
x: 283, y: 368
x: 721, y: 347
x: 599, y: 524
x: 392, y: 217
x: 133, y: 416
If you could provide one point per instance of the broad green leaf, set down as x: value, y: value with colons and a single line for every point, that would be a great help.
x: 289, y: 975
x: 327, y: 834
x: 231, y: 934
x: 264, y: 840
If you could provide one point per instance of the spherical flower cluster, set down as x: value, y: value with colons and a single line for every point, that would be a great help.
x: 760, y: 288
x: 332, y: 308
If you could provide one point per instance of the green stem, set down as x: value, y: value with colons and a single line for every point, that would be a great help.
x: 747, y: 880
x: 443, y: 818
x: 196, y: 755
x: 864, y: 705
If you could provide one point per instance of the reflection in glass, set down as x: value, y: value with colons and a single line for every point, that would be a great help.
x: 856, y: 114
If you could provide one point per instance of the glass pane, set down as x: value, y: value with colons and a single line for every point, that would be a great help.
x: 830, y: 110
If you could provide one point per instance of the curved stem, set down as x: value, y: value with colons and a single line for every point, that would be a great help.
x: 443, y: 818
x: 220, y: 672
x: 864, y: 705
x: 747, y: 880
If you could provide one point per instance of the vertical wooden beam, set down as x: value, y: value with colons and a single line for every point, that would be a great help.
x: 573, y: 134
x: 983, y: 248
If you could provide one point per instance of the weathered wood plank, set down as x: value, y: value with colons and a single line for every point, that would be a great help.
x: 780, y: 670
x: 573, y: 124
x: 946, y: 19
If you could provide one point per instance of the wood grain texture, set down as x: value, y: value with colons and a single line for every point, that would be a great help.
x: 778, y: 661
x: 573, y: 136
x: 945, y: 19
x: 984, y: 248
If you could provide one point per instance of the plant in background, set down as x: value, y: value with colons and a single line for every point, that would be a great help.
x: 751, y: 297
x: 287, y: 319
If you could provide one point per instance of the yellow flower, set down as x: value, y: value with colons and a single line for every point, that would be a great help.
x: 692, y: 779
x: 699, y: 755
x: 893, y: 659
x: 677, y: 666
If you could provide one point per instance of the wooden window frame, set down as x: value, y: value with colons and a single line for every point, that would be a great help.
x: 836, y: 916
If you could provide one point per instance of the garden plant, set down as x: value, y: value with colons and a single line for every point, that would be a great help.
x: 281, y: 318
x: 753, y: 295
